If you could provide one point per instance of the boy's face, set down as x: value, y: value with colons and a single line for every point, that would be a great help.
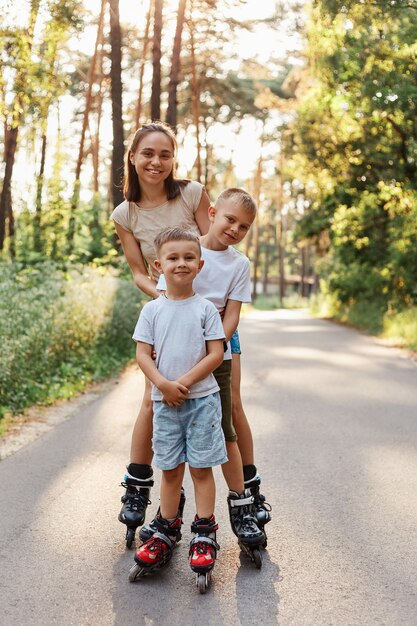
x: 230, y: 222
x: 179, y: 261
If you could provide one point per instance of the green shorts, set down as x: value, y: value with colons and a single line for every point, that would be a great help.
x: 223, y: 375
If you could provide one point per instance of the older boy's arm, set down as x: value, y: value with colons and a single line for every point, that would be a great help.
x: 231, y: 317
x: 214, y: 358
x: 174, y: 392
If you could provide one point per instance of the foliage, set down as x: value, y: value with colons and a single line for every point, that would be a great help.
x: 355, y: 150
x: 61, y: 329
x: 402, y: 328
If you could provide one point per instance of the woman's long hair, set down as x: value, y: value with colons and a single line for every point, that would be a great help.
x: 131, y: 185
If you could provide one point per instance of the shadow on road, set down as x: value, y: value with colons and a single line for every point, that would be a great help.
x: 257, y: 598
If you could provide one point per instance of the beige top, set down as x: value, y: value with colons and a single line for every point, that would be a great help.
x: 145, y: 224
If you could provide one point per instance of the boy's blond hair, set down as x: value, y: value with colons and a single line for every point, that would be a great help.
x: 241, y: 197
x: 175, y: 233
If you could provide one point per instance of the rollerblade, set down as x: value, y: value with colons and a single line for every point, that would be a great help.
x: 148, y: 530
x: 203, y: 550
x: 135, y: 501
x: 262, y: 508
x: 244, y: 525
x: 157, y: 551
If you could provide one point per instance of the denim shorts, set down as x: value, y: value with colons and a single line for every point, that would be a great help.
x: 190, y: 433
x: 235, y: 343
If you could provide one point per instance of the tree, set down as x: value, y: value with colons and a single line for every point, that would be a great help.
x: 156, y: 61
x: 146, y: 42
x: 171, y: 116
x: 355, y: 138
x: 20, y: 43
x: 81, y: 149
x: 116, y: 99
x: 63, y: 18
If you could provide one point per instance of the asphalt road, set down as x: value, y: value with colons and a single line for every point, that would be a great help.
x: 334, y: 417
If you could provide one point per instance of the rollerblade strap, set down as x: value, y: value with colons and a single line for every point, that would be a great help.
x: 242, y: 501
x: 204, y: 539
x: 165, y: 538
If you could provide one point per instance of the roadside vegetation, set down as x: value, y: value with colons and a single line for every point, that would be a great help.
x: 61, y: 329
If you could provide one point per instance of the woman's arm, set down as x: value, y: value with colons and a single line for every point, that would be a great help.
x: 201, y: 213
x: 134, y: 257
x: 231, y: 317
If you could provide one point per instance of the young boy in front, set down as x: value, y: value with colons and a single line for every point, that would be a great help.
x: 186, y: 332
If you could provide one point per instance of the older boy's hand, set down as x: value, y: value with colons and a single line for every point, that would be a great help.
x: 174, y: 393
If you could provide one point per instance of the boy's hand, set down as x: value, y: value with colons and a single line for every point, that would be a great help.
x: 174, y: 393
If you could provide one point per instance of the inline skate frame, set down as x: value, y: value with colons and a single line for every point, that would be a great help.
x: 135, y: 502
x: 148, y: 530
x: 244, y: 525
x: 157, y: 551
x: 261, y: 508
x: 203, y: 550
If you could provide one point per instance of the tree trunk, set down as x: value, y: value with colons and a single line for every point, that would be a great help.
x: 207, y: 160
x: 37, y: 229
x: 95, y: 141
x: 11, y: 135
x: 10, y: 143
x: 265, y: 273
x: 88, y: 100
x: 280, y: 231
x: 174, y: 77
x: 195, y: 95
x: 146, y: 42
x: 256, y: 225
x: 156, y: 62
x: 116, y: 99
x: 305, y: 271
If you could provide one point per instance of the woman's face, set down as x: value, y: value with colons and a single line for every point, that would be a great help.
x: 154, y: 158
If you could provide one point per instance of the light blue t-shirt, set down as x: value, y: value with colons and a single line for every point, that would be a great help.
x: 178, y: 331
x: 225, y: 276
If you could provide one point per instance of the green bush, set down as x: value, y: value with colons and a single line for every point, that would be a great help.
x: 60, y: 330
x: 402, y: 328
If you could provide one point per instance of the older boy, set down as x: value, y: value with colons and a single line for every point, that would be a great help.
x: 225, y: 281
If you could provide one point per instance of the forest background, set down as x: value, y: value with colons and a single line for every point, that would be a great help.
x: 310, y: 106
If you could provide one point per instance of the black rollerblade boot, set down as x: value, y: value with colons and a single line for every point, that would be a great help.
x: 135, y: 500
x: 262, y: 508
x: 157, y: 551
x: 203, y: 550
x: 244, y: 525
x: 149, y: 529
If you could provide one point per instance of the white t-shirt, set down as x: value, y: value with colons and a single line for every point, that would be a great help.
x: 225, y: 276
x: 178, y: 331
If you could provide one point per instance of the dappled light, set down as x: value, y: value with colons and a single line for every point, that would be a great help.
x: 208, y: 236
